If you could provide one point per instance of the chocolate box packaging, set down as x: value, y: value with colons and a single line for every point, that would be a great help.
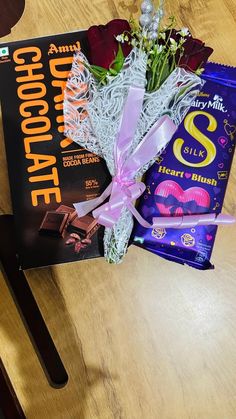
x: 47, y: 171
x: 191, y: 175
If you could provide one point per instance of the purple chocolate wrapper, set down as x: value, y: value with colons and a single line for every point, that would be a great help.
x: 191, y: 176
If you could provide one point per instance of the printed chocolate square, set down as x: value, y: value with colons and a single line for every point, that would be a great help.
x: 54, y: 223
x: 71, y: 211
x: 84, y: 226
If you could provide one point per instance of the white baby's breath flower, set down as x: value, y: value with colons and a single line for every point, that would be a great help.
x: 184, y: 32
x: 162, y: 35
x: 173, y: 45
x: 159, y: 49
x: 120, y: 38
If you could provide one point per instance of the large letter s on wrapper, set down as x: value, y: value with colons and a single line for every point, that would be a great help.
x: 200, y: 137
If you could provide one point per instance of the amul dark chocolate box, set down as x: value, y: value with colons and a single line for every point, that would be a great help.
x: 47, y: 171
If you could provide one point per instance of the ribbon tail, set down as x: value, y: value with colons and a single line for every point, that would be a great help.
x: 106, y: 218
x: 109, y: 213
x: 159, y: 222
x: 154, y: 141
x: 184, y: 221
x: 138, y: 216
x: 129, y: 121
x: 83, y: 208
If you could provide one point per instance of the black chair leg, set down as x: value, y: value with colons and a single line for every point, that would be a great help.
x: 10, y: 407
x: 28, y: 308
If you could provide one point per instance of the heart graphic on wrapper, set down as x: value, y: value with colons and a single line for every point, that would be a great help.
x: 188, y: 175
x: 171, y: 199
x: 209, y: 237
x: 223, y: 141
x: 229, y: 129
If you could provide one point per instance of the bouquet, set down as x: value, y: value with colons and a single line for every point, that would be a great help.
x: 124, y: 102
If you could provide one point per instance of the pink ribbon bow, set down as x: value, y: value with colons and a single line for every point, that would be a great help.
x: 124, y: 189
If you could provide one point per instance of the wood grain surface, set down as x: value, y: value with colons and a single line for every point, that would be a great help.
x: 147, y: 339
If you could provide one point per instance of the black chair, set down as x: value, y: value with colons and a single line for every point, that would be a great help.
x: 28, y: 308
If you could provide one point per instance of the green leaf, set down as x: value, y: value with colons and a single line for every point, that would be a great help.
x: 120, y: 55
x: 101, y: 73
x: 99, y: 69
x: 118, y: 62
x: 113, y: 72
x: 98, y: 75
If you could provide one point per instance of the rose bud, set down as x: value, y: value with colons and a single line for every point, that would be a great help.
x: 103, y: 45
x: 195, y: 54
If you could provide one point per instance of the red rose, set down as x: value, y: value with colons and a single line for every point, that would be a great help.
x: 195, y: 54
x: 103, y: 45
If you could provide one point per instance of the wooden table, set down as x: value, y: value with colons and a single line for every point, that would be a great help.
x: 147, y: 339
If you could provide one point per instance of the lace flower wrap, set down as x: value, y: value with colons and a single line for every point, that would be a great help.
x: 93, y: 114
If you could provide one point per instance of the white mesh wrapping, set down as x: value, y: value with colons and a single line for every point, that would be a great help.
x: 93, y: 114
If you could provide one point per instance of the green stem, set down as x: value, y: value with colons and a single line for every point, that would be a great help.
x: 173, y: 65
x: 154, y: 69
x: 162, y: 69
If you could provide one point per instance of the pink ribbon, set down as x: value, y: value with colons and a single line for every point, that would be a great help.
x: 124, y: 189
